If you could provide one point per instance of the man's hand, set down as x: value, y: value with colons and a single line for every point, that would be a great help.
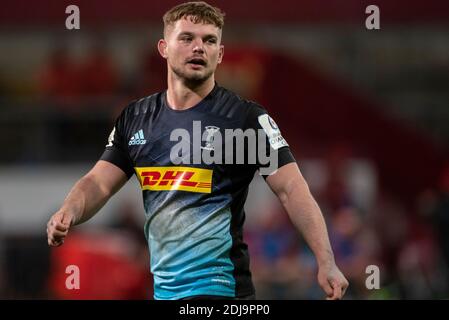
x: 87, y: 196
x: 332, y: 281
x: 58, y: 226
x: 294, y: 194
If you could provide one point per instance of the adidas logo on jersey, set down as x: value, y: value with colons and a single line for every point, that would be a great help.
x: 137, y: 139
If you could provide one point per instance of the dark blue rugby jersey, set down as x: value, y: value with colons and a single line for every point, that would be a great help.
x: 194, y: 210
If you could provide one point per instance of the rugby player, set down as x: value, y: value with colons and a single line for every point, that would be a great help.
x: 195, y: 209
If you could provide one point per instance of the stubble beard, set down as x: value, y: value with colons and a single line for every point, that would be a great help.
x: 194, y: 78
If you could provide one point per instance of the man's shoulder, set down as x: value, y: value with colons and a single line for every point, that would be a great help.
x: 230, y: 104
x: 141, y: 106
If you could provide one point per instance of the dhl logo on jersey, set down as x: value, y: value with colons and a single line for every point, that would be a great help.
x: 175, y: 178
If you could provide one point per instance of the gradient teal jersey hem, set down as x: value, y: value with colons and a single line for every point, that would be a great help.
x: 211, y: 291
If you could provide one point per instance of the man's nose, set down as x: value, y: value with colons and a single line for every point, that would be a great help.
x: 198, y: 46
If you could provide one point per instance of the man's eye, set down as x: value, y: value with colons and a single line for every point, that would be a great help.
x: 212, y: 41
x: 187, y: 39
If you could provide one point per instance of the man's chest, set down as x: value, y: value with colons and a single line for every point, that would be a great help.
x: 182, y: 140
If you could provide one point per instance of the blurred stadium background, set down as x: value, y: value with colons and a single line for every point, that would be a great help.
x: 365, y: 112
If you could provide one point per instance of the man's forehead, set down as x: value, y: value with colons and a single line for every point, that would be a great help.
x: 186, y: 25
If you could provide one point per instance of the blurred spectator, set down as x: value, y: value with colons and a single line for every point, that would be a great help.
x: 243, y: 71
x: 441, y: 215
x: 59, y: 79
x: 128, y: 220
x: 113, y: 262
x: 355, y: 247
x: 107, y: 267
x: 418, y: 268
x: 436, y: 205
x: 337, y: 164
x: 26, y: 265
x: 98, y: 75
x: 152, y: 73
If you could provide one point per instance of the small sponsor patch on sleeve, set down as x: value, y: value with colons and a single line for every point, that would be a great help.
x: 272, y: 131
x: 111, y: 138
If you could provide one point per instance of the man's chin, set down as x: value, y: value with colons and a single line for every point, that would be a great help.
x: 197, y: 77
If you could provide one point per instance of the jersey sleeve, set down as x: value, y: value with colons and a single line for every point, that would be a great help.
x: 116, y: 150
x: 276, y: 148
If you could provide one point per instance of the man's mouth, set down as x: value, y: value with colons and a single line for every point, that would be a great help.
x: 197, y: 62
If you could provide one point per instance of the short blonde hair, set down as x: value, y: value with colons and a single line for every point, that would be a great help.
x: 197, y: 11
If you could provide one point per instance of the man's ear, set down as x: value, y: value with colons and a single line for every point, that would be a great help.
x: 221, y: 54
x: 162, y: 48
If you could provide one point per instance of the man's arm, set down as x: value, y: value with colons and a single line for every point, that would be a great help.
x: 87, y: 196
x: 293, y: 192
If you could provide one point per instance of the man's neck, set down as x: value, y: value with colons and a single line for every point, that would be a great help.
x: 181, y: 96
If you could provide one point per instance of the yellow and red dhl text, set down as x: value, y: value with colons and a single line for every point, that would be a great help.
x: 175, y: 178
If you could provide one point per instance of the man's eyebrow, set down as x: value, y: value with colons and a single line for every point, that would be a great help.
x: 207, y: 36
x: 210, y: 36
x: 185, y: 33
